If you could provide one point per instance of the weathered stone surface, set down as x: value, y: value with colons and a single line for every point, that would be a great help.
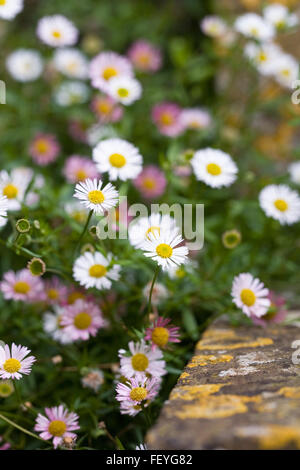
x: 241, y: 390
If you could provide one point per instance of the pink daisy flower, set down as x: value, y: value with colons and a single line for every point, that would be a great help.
x: 54, y: 291
x: 106, y: 109
x: 82, y: 320
x: 167, y: 117
x: 276, y: 313
x: 195, y: 118
x: 78, y: 168
x: 161, y: 333
x: 107, y: 65
x: 21, y: 285
x: 44, y: 149
x: 141, y: 361
x: 133, y: 393
x: 14, y: 363
x: 151, y: 182
x: 145, y: 56
x: 57, y: 424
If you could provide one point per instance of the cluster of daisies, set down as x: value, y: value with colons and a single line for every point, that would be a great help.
x: 267, y: 56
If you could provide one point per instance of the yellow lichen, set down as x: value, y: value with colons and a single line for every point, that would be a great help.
x: 190, y: 392
x: 204, y: 359
x: 278, y: 437
x: 216, y: 340
x: 290, y: 392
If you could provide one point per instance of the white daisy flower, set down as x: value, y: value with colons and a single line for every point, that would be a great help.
x: 254, y: 26
x: 24, y: 65
x: 13, y: 364
x: 124, y: 89
x: 162, y: 248
x: 214, y: 167
x: 214, y: 26
x: 140, y: 228
x: 294, y: 171
x: 250, y: 295
x: 279, y: 16
x: 263, y: 56
x: 195, y: 118
x: 286, y: 70
x: 70, y: 93
x: 57, y: 31
x: 94, y: 270
x: 14, y: 186
x: 3, y: 210
x: 10, y: 8
x: 107, y: 65
x: 281, y: 203
x: 119, y: 158
x: 95, y: 197
x: 142, y: 360
x: 52, y: 326
x: 71, y: 62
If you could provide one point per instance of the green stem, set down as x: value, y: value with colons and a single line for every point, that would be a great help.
x: 151, y: 290
x: 84, y: 230
x: 12, y: 423
x: 17, y: 391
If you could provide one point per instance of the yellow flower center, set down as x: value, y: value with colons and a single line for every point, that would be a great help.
x: 286, y: 72
x: 152, y: 230
x: 138, y: 394
x: 109, y: 72
x: 149, y: 183
x: 123, y: 92
x: 21, y: 287
x: 254, y: 31
x: 262, y: 57
x: 164, y: 251
x: 144, y: 58
x: 96, y: 196
x: 117, y: 160
x: 104, y: 107
x: 281, y: 205
x: 57, y: 428
x: 10, y: 191
x: 12, y: 365
x: 2, y: 2
x: 6, y: 388
x: 166, y: 119
x: 248, y: 297
x: 82, y: 321
x: 81, y: 175
x: 56, y: 34
x: 98, y: 270
x: 139, y: 362
x: 42, y: 146
x: 213, y: 169
x: 52, y: 294
x: 160, y: 336
x: 75, y: 296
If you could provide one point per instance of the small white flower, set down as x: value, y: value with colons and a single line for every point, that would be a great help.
x: 162, y: 248
x: 254, y: 26
x: 10, y: 8
x: 124, y: 89
x: 14, y: 186
x: 107, y: 65
x: 13, y: 364
x: 119, y: 158
x: 281, y: 203
x: 250, y: 294
x: 142, y: 360
x: 279, y: 16
x: 94, y: 270
x: 57, y: 31
x: 263, y: 56
x: 95, y: 197
x: 70, y: 93
x: 195, y: 118
x: 285, y: 70
x: 294, y: 171
x: 24, y: 65
x: 214, y: 167
x: 71, y: 62
x: 3, y: 210
x: 52, y: 326
x: 140, y: 228
x: 214, y: 26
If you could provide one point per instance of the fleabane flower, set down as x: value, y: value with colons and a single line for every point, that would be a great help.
x: 214, y: 26
x: 107, y: 65
x: 44, y: 149
x: 25, y: 65
x: 96, y: 197
x: 294, y: 171
x: 3, y: 210
x: 124, y: 89
x: 263, y: 56
x: 13, y: 361
x: 151, y: 182
x: 55, y: 291
x: 13, y: 186
x: 57, y: 31
x: 141, y: 361
x: 95, y: 270
x: 167, y: 117
x: 82, y: 320
x: 254, y: 26
x: 10, y: 8
x: 140, y: 228
x: 71, y: 93
x: 21, y: 285
x: 136, y: 392
x: 279, y: 16
x: 119, y: 158
x: 93, y: 379
x: 281, y: 203
x: 161, y: 333
x: 195, y: 118
x: 144, y: 56
x: 78, y: 168
x: 214, y: 167
x: 285, y: 70
x: 106, y: 109
x: 163, y: 248
x: 53, y: 327
x: 59, y: 423
x: 71, y: 62
x: 250, y: 295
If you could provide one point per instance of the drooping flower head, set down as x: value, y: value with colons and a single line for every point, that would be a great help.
x: 106, y: 109
x: 59, y: 423
x: 107, y: 65
x: 281, y: 203
x: 167, y: 117
x: 214, y: 167
x: 136, y: 392
x: 250, y: 295
x: 141, y: 361
x: 94, y: 270
x: 57, y: 31
x: 144, y: 56
x: 82, y: 320
x: 44, y: 149
x: 25, y: 65
x: 94, y: 196
x: 78, y: 168
x: 161, y: 333
x: 151, y: 182
x: 21, y: 285
x: 14, y: 363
